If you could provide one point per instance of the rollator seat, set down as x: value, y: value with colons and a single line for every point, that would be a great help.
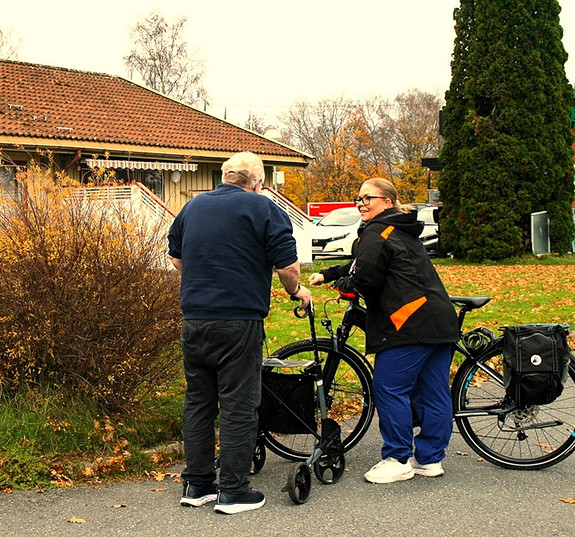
x: 276, y: 362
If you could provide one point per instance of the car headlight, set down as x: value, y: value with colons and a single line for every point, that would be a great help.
x: 338, y: 238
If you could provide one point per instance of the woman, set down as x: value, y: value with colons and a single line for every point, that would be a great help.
x: 411, y: 326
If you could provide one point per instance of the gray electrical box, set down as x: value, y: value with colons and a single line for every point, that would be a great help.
x: 540, y: 241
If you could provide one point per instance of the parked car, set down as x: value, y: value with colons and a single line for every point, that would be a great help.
x: 334, y: 234
x: 429, y: 215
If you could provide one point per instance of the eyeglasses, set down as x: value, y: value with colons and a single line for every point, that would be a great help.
x: 367, y: 199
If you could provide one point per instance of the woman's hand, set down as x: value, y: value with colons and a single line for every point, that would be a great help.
x: 316, y: 278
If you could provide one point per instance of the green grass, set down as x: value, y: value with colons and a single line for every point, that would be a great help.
x: 530, y: 290
x: 49, y: 439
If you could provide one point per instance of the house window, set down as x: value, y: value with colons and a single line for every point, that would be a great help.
x: 153, y: 179
x: 216, y: 178
x: 9, y: 187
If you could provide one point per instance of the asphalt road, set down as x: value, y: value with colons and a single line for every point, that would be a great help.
x: 472, y: 498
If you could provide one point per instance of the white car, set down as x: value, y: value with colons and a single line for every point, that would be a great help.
x: 334, y: 234
x: 427, y: 216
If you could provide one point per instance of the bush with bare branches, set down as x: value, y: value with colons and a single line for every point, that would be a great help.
x: 87, y: 302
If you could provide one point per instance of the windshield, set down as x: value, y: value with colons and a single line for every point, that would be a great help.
x: 426, y: 215
x: 340, y: 218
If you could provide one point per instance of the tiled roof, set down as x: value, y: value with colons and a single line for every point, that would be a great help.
x: 51, y: 102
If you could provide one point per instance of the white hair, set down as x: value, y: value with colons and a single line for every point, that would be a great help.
x: 243, y: 169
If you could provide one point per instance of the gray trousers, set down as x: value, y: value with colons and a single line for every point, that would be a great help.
x: 222, y: 364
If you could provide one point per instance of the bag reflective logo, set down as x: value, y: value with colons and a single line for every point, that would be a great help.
x: 536, y: 360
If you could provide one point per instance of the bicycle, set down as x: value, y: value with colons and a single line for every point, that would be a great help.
x: 530, y: 438
x: 489, y: 421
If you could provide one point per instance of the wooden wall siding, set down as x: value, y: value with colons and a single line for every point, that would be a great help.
x: 175, y: 194
x: 193, y: 183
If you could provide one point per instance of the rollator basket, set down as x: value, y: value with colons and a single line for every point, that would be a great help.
x: 288, y: 403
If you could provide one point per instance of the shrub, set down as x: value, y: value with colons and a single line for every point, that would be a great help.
x: 87, y: 299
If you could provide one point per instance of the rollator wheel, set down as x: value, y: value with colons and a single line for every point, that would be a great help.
x: 299, y: 483
x: 259, y: 458
x: 329, y: 467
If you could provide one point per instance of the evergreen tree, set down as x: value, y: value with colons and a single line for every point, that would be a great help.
x: 508, y: 146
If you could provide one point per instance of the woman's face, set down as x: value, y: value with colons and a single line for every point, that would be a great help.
x: 372, y: 202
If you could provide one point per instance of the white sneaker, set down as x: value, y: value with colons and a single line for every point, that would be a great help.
x: 433, y: 469
x: 388, y: 471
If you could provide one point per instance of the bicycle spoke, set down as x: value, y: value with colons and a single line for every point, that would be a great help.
x: 532, y: 438
x: 349, y: 400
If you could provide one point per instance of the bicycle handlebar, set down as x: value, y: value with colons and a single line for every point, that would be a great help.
x: 308, y: 310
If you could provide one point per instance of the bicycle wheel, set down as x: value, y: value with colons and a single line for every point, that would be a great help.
x: 522, y: 439
x: 349, y: 399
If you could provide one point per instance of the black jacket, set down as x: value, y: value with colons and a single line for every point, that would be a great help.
x: 405, y: 298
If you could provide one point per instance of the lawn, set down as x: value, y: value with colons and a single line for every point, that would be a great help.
x: 532, y: 291
x: 50, y: 440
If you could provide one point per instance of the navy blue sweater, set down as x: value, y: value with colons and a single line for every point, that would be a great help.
x: 229, y: 240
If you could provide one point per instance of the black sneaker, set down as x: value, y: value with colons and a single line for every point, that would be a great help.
x: 231, y: 503
x: 198, y: 496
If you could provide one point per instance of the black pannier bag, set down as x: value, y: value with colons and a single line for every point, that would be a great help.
x: 284, y: 395
x: 535, y: 362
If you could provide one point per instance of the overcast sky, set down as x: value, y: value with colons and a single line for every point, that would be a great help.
x: 264, y: 54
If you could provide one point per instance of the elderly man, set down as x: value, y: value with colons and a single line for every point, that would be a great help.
x: 226, y: 243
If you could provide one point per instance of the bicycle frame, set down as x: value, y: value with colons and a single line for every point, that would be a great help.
x: 354, y: 316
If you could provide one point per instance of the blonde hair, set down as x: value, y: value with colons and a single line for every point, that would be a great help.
x: 244, y: 169
x: 387, y: 188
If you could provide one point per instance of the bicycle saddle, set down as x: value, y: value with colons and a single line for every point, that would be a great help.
x: 470, y: 302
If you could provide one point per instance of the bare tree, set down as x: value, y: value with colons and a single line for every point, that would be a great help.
x: 161, y: 59
x: 378, y: 125
x: 313, y: 126
x: 417, y: 125
x: 8, y: 49
x: 352, y: 141
x: 258, y: 123
x: 415, y: 136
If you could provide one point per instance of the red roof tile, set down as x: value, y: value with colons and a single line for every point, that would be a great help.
x: 52, y: 102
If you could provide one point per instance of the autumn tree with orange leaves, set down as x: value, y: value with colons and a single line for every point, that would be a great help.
x: 353, y: 141
x: 415, y: 136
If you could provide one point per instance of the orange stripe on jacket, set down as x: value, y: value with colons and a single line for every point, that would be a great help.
x: 399, y: 317
x: 387, y: 232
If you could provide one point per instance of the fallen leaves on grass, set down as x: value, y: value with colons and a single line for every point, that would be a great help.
x: 158, y: 476
x: 59, y: 478
x: 520, y: 294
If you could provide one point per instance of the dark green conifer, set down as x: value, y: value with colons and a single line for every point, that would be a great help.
x: 508, y: 145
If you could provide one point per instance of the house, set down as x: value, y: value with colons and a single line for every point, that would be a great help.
x: 81, y: 123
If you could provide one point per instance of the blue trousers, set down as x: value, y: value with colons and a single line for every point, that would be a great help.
x: 222, y: 363
x: 415, y: 375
